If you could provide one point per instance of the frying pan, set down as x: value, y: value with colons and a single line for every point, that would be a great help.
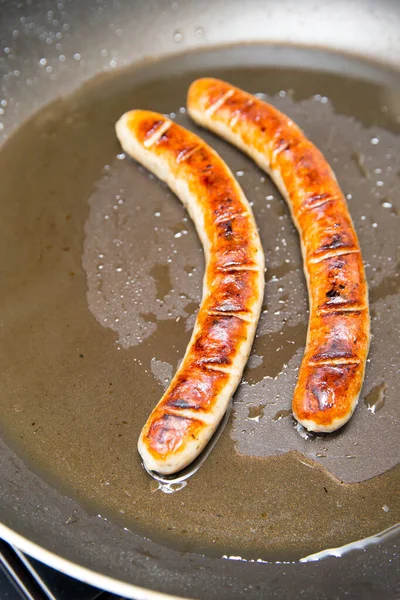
x: 48, y: 50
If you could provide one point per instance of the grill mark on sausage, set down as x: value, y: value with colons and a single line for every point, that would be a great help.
x: 317, y: 200
x: 283, y: 144
x: 192, y: 414
x: 245, y: 316
x: 333, y: 253
x: 333, y: 362
x: 235, y: 268
x: 337, y: 241
x: 218, y: 103
x: 186, y: 153
x: 210, y: 366
x: 156, y: 132
x: 180, y: 403
x: 224, y: 217
x: 338, y: 310
x: 239, y: 112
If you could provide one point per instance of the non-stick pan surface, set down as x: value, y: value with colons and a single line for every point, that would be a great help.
x: 101, y: 279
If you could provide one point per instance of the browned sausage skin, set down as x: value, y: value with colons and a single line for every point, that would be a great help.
x: 197, y: 398
x: 332, y: 369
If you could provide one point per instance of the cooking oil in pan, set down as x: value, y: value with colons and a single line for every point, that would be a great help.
x: 103, y: 276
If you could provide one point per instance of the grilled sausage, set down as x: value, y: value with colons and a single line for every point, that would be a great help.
x: 197, y: 398
x: 332, y: 369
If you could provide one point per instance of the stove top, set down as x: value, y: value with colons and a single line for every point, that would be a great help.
x: 24, y: 578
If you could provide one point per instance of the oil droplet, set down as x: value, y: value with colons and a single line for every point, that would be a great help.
x: 281, y: 414
x: 375, y: 400
x: 200, y: 32
x: 256, y: 413
x: 178, y: 37
x: 374, y: 141
x: 387, y: 203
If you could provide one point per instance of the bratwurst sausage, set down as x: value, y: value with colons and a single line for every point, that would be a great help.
x: 197, y: 398
x: 332, y: 369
